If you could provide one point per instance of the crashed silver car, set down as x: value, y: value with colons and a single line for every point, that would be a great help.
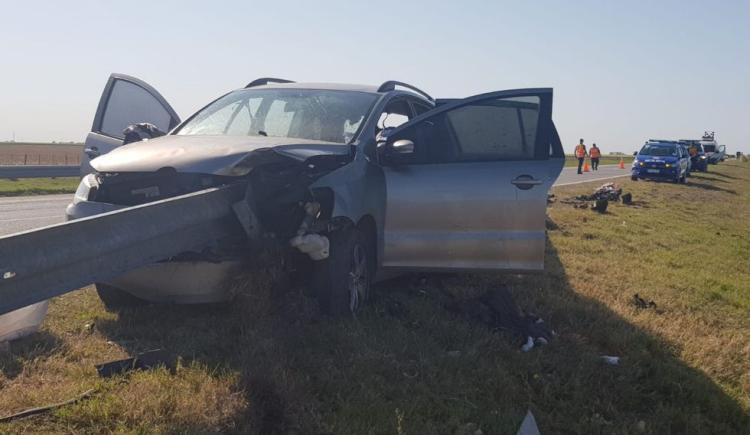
x: 346, y: 183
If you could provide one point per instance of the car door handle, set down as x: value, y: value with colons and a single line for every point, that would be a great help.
x: 525, y: 182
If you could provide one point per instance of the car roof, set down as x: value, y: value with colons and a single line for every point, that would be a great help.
x: 321, y: 86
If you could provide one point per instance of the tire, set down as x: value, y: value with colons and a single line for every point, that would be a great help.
x: 634, y: 178
x: 343, y: 280
x: 115, y: 299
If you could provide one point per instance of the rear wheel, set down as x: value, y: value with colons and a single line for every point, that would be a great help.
x: 342, y: 281
x: 115, y: 299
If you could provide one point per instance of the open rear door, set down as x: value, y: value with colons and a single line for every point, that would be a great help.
x: 126, y: 100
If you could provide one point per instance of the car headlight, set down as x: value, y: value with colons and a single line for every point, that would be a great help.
x: 641, y: 163
x: 667, y: 165
x: 703, y: 157
x: 89, y: 184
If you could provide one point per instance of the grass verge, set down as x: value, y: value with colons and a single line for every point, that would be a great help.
x: 38, y: 186
x: 271, y: 365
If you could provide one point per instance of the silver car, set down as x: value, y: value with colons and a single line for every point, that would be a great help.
x: 348, y: 183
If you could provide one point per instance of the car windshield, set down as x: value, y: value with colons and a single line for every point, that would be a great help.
x: 659, y: 150
x: 709, y: 148
x: 320, y: 115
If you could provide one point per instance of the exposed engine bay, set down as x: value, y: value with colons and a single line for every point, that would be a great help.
x: 279, y: 204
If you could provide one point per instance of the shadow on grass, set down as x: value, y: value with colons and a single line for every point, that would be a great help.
x: 407, y: 360
x: 719, y: 174
x: 710, y: 187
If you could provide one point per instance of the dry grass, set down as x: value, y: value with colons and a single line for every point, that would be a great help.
x: 271, y: 364
x: 38, y: 186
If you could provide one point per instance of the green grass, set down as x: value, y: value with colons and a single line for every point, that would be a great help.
x: 269, y: 363
x: 38, y: 186
x: 603, y: 160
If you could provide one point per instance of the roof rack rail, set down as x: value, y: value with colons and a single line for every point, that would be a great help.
x: 390, y: 85
x: 266, y: 80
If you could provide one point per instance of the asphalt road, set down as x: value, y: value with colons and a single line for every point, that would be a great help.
x: 569, y: 175
x: 25, y: 213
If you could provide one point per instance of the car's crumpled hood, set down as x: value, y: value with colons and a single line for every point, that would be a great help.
x: 206, y: 154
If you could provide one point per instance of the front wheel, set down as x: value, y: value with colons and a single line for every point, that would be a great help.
x: 342, y: 281
x: 634, y: 178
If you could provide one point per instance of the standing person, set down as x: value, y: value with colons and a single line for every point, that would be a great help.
x: 580, y: 155
x: 595, y: 153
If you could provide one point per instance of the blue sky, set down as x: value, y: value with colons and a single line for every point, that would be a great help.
x: 622, y: 71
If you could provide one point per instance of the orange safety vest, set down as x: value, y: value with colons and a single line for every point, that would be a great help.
x: 594, y: 153
x: 580, y: 151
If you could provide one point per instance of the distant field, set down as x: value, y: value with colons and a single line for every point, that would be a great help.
x: 20, y: 153
x: 270, y: 364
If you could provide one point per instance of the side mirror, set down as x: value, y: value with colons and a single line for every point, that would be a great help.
x: 403, y: 146
x: 635, y: 153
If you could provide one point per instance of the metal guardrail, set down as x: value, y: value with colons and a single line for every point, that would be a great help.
x: 39, y: 264
x: 37, y: 171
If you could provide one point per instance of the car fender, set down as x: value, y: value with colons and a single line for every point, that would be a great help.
x: 358, y: 190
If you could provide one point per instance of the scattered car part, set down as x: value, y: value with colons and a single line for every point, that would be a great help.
x: 611, y: 360
x: 528, y: 425
x: 143, y: 361
x: 42, y: 409
x: 497, y: 309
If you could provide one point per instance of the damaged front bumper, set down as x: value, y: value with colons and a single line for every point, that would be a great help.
x: 198, y: 278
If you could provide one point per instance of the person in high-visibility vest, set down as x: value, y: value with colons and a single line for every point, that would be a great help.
x: 580, y: 155
x: 594, y: 153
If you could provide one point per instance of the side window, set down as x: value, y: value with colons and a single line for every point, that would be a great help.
x: 130, y: 104
x: 395, y: 113
x: 420, y: 108
x: 486, y: 130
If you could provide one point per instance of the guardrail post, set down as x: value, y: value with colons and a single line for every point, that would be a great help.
x: 25, y: 159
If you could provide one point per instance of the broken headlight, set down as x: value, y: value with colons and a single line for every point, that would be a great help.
x: 87, y: 189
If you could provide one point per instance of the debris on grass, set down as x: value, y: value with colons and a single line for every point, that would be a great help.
x: 498, y: 310
x: 528, y: 425
x: 42, y: 409
x: 600, y: 205
x: 641, y: 303
x: 144, y: 361
x: 611, y: 360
